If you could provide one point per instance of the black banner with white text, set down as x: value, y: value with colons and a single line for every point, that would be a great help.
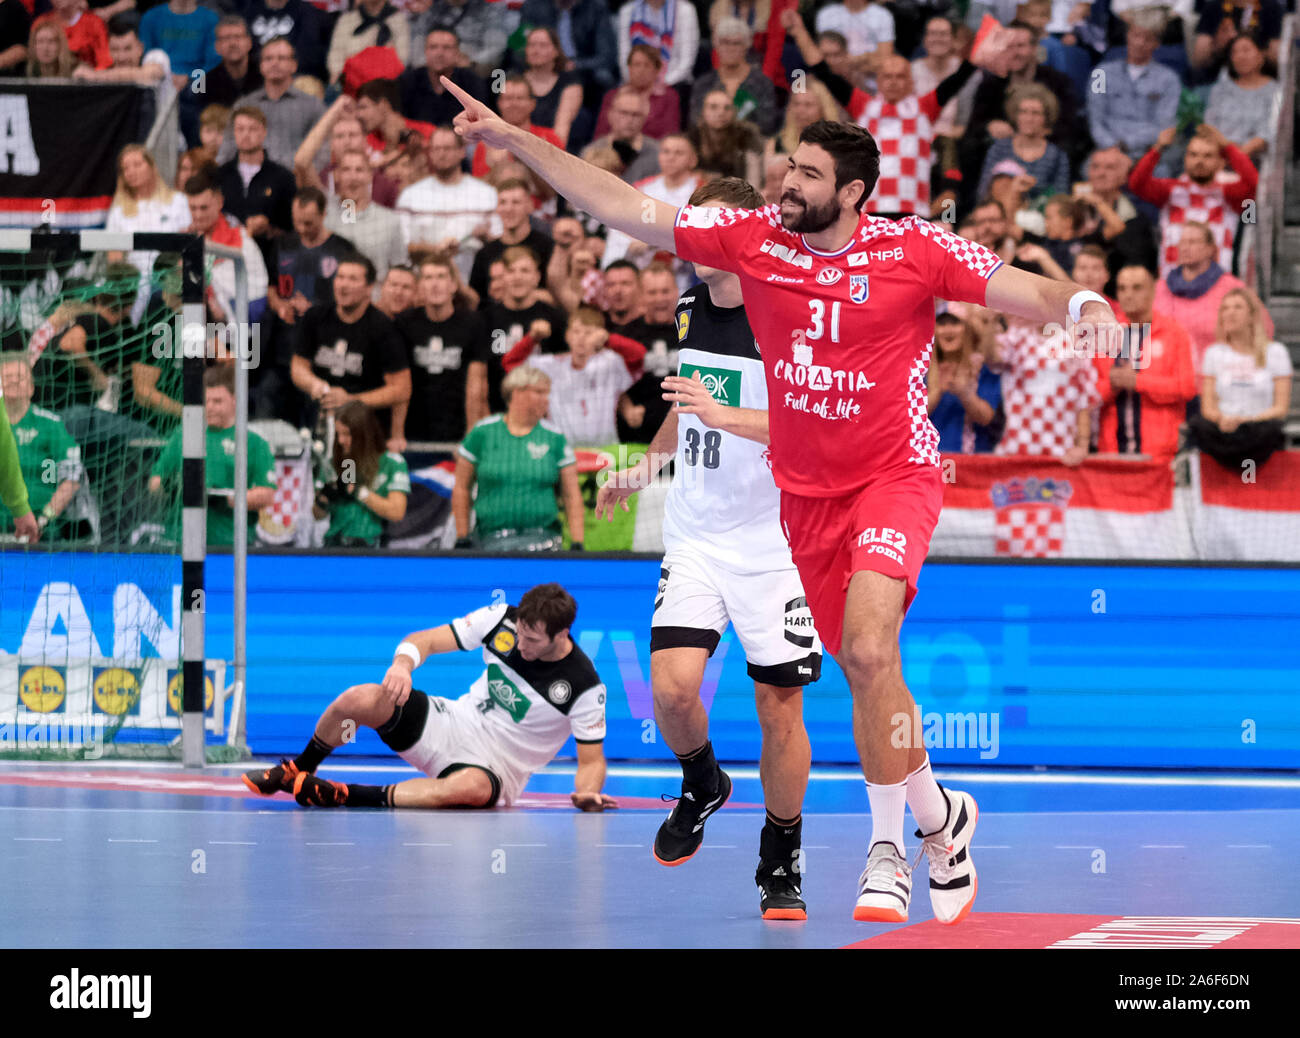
x: 58, y: 151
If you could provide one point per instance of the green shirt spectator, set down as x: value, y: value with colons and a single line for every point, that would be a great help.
x: 369, y: 486
x: 13, y: 492
x: 518, y: 463
x: 219, y: 466
x: 48, y: 458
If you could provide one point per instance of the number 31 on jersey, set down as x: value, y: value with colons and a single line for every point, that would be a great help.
x: 818, y: 308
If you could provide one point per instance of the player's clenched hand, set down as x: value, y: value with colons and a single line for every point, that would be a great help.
x: 397, y: 684
x: 477, y: 122
x: 593, y: 801
x: 691, y: 397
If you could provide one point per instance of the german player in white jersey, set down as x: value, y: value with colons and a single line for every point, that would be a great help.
x: 843, y: 306
x: 726, y: 560
x: 537, y: 689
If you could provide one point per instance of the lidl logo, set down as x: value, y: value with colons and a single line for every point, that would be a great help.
x: 683, y: 324
x: 174, y: 690
x: 43, y: 690
x: 723, y: 384
x: 117, y: 690
x: 506, y: 695
x: 503, y: 641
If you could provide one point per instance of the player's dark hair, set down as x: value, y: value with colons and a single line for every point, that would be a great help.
x: 853, y: 150
x: 377, y: 90
x: 624, y: 264
x: 548, y: 606
x: 363, y: 261
x: 946, y: 318
x: 222, y: 375
x: 987, y: 201
x: 311, y: 196
x: 733, y: 192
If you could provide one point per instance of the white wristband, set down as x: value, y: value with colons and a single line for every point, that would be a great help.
x: 410, y: 652
x: 1078, y: 299
x: 363, y: 493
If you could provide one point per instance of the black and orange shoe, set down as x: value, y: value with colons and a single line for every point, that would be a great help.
x: 279, y: 779
x: 780, y: 896
x: 682, y: 832
x: 311, y: 791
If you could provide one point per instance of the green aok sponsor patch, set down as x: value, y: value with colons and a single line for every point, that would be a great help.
x: 723, y: 384
x: 506, y: 694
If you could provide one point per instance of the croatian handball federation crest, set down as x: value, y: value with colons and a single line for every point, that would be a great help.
x: 859, y: 288
x: 1030, y: 517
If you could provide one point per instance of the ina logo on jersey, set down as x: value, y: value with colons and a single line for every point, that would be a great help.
x: 723, y: 384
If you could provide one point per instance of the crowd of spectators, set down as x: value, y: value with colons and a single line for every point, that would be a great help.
x: 424, y: 297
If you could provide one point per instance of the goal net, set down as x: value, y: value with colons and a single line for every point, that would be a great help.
x: 91, y: 614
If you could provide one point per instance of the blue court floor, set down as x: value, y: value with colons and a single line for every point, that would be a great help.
x: 129, y: 855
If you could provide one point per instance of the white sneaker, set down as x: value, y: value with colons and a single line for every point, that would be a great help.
x: 953, y: 883
x: 885, y: 886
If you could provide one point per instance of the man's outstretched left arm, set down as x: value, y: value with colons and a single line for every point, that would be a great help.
x: 1044, y: 300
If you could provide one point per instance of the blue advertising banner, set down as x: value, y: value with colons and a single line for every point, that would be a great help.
x: 1017, y: 664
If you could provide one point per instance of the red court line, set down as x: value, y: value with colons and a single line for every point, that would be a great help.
x: 1034, y: 930
x: 189, y: 783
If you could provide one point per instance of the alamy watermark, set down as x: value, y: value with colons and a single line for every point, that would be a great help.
x: 47, y: 735
x: 216, y: 340
x: 971, y: 730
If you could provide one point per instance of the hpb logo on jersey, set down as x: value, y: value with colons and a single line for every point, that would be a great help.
x: 859, y: 288
x: 723, y: 384
x: 505, y: 694
x: 1030, y: 521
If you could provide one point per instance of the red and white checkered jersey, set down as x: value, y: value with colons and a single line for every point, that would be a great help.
x: 1043, y: 391
x: 584, y: 401
x: 905, y: 134
x: 845, y: 337
x: 1206, y: 203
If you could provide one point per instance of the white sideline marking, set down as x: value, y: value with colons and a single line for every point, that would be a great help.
x: 39, y: 839
x: 234, y: 843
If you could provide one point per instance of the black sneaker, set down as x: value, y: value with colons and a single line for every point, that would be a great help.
x: 682, y: 832
x: 311, y: 791
x: 779, y: 894
x: 279, y: 779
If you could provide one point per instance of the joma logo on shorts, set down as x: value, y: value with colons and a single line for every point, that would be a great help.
x: 883, y: 541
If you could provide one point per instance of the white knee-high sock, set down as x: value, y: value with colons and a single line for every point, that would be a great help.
x: 888, y: 803
x: 925, y: 798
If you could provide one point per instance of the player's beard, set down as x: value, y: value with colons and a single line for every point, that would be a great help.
x: 813, y: 219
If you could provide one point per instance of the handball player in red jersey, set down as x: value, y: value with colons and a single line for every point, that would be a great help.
x: 842, y: 305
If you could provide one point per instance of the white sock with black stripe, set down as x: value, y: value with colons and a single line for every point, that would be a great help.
x: 888, y: 804
x: 925, y: 798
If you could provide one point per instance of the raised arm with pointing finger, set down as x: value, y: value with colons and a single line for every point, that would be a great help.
x: 611, y: 201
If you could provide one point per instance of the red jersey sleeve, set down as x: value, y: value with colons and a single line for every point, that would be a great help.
x: 958, y: 269
x: 721, y: 238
